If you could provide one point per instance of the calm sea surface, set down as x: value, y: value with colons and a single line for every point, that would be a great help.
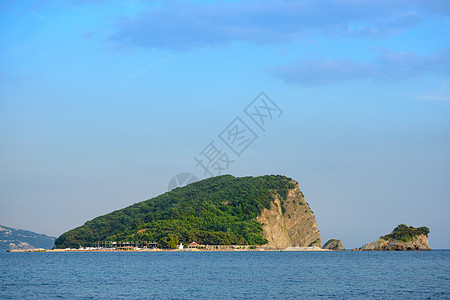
x: 224, y: 275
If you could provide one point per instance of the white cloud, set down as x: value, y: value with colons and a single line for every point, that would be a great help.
x: 387, y: 67
x: 186, y: 25
x: 442, y: 93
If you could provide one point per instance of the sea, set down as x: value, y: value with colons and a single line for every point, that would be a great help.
x: 226, y: 275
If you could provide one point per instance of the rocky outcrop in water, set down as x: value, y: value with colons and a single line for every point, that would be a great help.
x: 418, y: 243
x: 403, y: 238
x: 334, y: 244
x: 290, y: 222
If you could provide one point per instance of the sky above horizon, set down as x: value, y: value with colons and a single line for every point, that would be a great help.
x: 102, y: 103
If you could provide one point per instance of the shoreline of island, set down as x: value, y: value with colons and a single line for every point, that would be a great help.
x: 258, y: 249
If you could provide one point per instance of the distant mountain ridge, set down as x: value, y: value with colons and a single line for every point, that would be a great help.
x: 12, y: 238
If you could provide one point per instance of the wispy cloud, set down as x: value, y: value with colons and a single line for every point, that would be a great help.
x: 388, y: 66
x: 186, y: 25
x: 90, y: 34
x: 38, y: 5
x: 442, y: 93
x: 445, y: 98
x: 152, y: 65
x: 5, y: 4
x: 385, y: 27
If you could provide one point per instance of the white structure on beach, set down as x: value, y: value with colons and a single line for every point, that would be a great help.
x: 180, y: 246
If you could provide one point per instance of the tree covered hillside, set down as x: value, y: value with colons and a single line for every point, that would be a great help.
x: 219, y: 210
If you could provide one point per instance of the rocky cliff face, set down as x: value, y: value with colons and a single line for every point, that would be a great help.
x: 334, y: 244
x: 419, y: 242
x: 290, y: 222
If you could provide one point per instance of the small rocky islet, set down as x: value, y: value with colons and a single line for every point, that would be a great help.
x: 333, y: 244
x: 402, y: 238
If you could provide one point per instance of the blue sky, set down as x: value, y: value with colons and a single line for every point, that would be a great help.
x: 103, y: 102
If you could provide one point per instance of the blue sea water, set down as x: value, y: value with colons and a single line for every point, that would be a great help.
x: 225, y: 275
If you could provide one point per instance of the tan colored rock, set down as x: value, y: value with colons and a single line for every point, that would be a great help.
x: 296, y: 226
x: 334, y: 244
x: 274, y: 226
x: 419, y: 242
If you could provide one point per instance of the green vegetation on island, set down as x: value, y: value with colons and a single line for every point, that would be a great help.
x: 406, y: 233
x: 220, y: 210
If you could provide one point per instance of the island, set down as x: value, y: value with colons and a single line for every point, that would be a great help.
x: 402, y: 238
x: 224, y: 212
